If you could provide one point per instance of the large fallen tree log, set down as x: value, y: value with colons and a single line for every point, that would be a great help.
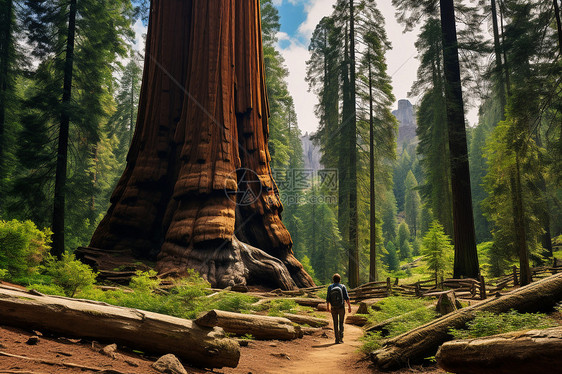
x: 512, y: 353
x: 419, y: 343
x: 306, y: 320
x: 303, y: 301
x: 260, y: 327
x: 138, y: 329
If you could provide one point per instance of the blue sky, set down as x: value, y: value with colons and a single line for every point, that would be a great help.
x: 292, y: 16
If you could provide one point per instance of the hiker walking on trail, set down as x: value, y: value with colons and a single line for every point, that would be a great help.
x: 335, y: 300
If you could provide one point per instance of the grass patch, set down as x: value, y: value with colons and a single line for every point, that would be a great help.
x: 323, y: 293
x: 417, y: 312
x: 278, y: 307
x: 187, y: 299
x: 487, y: 324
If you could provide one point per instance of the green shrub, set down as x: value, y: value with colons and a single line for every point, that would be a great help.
x: 145, y: 281
x: 33, y: 278
x: 278, y: 307
x: 233, y: 302
x: 22, y: 247
x: 323, y: 293
x: 69, y: 273
x: 3, y: 273
x: 487, y: 323
x: 371, y: 342
x: 187, y: 299
x: 47, y: 289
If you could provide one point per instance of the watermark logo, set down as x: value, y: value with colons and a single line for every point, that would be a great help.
x: 249, y: 187
x: 295, y: 186
x: 307, y: 186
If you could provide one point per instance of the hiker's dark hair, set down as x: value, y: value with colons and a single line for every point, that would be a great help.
x: 336, y: 278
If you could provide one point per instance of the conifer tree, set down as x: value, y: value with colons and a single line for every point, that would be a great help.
x: 412, y: 204
x: 437, y: 248
x: 403, y: 240
x: 77, y: 51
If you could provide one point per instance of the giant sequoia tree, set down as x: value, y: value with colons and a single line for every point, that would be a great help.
x: 197, y: 192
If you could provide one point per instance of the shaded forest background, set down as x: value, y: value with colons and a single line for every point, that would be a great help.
x: 510, y: 61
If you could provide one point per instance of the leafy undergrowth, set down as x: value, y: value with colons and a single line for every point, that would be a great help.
x: 187, y: 299
x: 487, y: 324
x: 415, y: 313
x: 276, y: 308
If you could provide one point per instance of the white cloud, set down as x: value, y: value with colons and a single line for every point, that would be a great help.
x: 316, y: 10
x: 296, y: 54
x: 140, y: 33
x: 295, y: 57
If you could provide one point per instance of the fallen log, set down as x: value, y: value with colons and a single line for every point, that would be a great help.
x: 260, y: 327
x: 512, y: 353
x: 306, y: 320
x: 422, y: 342
x: 303, y: 301
x: 307, y: 301
x: 138, y: 329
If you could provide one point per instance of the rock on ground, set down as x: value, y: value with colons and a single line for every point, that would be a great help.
x: 169, y: 364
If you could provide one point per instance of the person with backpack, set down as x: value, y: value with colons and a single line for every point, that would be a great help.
x: 335, y: 304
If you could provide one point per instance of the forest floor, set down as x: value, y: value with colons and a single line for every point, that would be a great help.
x: 315, y: 353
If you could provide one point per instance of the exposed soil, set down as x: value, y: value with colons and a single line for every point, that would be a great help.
x: 315, y: 353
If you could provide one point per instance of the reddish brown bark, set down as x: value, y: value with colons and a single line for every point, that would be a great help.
x: 203, y: 115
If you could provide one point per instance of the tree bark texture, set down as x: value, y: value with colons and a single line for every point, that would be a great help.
x: 518, y: 352
x: 64, y: 126
x: 373, y: 276
x: 198, y: 192
x: 147, y: 331
x: 466, y: 258
x: 260, y: 327
x: 306, y: 320
x: 419, y: 343
x: 558, y: 23
x: 353, y: 268
x: 6, y: 26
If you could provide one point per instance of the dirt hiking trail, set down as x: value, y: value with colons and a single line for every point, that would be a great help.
x: 312, y: 354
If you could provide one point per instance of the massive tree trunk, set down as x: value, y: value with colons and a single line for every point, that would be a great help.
x: 137, y: 329
x: 512, y: 353
x: 197, y: 192
x: 422, y: 342
x: 466, y: 258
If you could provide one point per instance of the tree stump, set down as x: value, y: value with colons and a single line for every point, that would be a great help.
x: 447, y: 303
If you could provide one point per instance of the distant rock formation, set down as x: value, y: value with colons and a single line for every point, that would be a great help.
x: 311, y: 153
x: 407, y: 118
